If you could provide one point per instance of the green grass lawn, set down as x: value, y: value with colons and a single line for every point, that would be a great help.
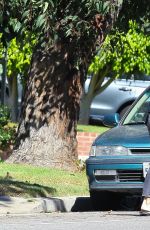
x: 29, y: 181
x: 91, y: 128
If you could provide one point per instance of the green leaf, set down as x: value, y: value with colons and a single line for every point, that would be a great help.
x: 25, y: 14
x: 40, y: 20
x: 68, y: 32
x: 51, y: 2
x: 45, y: 7
x: 17, y: 27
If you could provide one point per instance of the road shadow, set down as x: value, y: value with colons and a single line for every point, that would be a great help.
x: 82, y: 204
x: 124, y: 203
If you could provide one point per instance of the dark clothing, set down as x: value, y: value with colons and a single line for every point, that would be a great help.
x: 146, y: 187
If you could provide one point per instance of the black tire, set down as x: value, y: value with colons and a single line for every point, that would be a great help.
x: 124, y: 110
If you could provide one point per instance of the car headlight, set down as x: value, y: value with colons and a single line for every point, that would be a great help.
x: 109, y: 151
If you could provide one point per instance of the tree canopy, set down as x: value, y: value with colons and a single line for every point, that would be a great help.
x: 135, y: 10
x: 74, y: 22
x: 58, y: 21
x: 18, y: 60
x: 121, y: 54
x: 19, y: 55
x: 126, y: 53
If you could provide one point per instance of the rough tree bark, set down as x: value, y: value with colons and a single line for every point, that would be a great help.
x: 50, y: 112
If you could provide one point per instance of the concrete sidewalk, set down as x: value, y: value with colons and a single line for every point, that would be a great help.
x: 17, y: 205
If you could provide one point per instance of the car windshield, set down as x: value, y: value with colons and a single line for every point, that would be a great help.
x: 140, y: 111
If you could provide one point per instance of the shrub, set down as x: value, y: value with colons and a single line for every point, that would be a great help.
x: 4, y: 115
x: 7, y: 129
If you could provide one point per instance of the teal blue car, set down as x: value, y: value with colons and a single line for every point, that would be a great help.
x: 120, y: 158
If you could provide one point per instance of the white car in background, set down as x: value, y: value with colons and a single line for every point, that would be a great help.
x: 116, y: 98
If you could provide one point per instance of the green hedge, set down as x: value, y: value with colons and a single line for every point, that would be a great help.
x: 7, y: 129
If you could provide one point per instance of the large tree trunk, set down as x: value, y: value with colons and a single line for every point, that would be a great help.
x: 47, y: 130
x: 85, y: 109
x: 96, y: 86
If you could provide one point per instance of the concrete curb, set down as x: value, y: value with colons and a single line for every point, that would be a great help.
x: 17, y: 205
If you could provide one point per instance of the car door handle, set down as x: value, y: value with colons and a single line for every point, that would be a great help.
x: 125, y: 89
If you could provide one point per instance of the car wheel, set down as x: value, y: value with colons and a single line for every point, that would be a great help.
x: 101, y: 201
x: 124, y: 110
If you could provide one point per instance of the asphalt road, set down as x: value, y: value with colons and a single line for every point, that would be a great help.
x: 76, y: 220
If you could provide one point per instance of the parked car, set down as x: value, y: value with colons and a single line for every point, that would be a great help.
x: 120, y: 158
x: 117, y: 97
x: 7, y: 100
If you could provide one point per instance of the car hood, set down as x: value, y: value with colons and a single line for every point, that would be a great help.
x: 131, y: 136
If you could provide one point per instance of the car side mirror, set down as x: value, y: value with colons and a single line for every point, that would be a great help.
x: 111, y: 120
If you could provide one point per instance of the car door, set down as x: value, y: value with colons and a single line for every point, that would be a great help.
x: 118, y: 94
